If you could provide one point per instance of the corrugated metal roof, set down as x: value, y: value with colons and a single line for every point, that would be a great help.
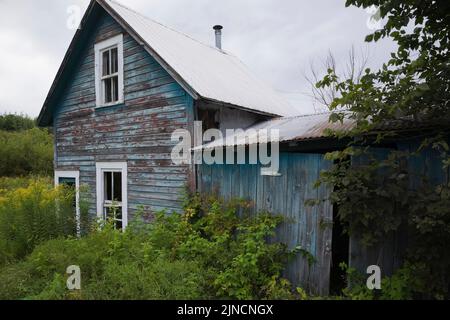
x: 212, y: 73
x: 305, y: 127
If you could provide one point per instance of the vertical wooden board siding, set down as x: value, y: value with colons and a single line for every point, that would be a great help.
x: 362, y: 256
x: 389, y: 253
x: 139, y: 131
x: 428, y: 165
x: 284, y: 195
x: 324, y: 236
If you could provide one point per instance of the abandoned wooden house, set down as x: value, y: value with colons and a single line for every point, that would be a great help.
x: 127, y: 82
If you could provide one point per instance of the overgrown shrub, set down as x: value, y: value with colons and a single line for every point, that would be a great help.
x: 402, y: 285
x: 26, y: 152
x: 377, y: 198
x: 232, y: 246
x: 113, y: 266
x: 213, y: 250
x: 31, y: 215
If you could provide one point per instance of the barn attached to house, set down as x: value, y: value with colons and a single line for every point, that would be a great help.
x: 316, y: 229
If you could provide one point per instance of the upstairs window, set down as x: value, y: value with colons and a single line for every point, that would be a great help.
x: 109, y: 71
x: 110, y: 75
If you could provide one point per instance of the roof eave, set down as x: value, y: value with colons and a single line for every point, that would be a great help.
x: 230, y: 105
x: 41, y: 120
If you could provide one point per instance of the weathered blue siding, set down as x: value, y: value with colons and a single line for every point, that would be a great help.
x: 389, y: 254
x: 311, y: 227
x: 306, y: 226
x: 138, y: 131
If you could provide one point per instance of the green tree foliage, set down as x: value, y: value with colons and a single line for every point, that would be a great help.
x: 375, y: 197
x: 415, y: 82
x: 26, y: 152
x: 14, y: 122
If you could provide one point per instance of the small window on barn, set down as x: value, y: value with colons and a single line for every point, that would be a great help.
x: 109, y: 71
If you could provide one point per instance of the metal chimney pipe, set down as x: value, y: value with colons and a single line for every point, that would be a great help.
x: 218, y: 30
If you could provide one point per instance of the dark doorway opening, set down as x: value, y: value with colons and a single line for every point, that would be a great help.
x: 340, y: 254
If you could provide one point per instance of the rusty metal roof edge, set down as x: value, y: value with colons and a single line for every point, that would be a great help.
x: 266, y: 124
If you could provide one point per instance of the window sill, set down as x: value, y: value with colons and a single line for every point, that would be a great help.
x: 108, y: 106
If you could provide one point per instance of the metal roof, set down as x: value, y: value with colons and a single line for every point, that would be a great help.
x: 212, y: 73
x: 305, y: 127
x: 202, y: 70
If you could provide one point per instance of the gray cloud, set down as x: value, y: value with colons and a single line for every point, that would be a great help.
x: 276, y: 39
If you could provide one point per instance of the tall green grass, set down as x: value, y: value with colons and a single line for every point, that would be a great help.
x: 212, y: 251
x: 31, y: 212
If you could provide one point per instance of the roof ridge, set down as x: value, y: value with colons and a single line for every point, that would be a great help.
x: 302, y: 116
x: 170, y: 28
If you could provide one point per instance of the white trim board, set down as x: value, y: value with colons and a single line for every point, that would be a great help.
x: 118, y: 167
x: 72, y: 175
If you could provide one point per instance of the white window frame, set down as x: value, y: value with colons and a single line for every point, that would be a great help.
x: 116, y: 41
x: 72, y: 175
x: 102, y: 167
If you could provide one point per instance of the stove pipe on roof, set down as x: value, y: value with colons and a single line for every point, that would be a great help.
x: 218, y: 30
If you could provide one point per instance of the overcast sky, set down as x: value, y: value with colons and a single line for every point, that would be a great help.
x: 278, y: 40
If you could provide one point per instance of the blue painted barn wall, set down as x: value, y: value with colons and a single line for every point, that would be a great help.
x: 424, y: 168
x: 311, y: 227
x: 388, y: 254
x: 138, y: 131
x: 306, y: 226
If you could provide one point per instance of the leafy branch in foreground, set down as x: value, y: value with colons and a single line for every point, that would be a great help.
x: 375, y: 194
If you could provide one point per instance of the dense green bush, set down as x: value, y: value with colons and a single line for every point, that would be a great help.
x: 26, y: 152
x: 402, y: 285
x: 31, y: 215
x: 213, y: 250
x: 232, y: 247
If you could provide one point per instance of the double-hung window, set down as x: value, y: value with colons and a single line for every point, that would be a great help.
x: 112, y: 193
x: 109, y: 71
x: 112, y: 201
x: 110, y: 75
